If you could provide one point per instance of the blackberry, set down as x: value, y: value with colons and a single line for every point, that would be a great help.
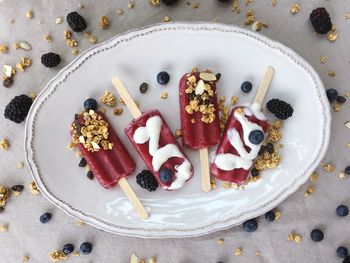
x: 146, y: 180
x: 7, y: 82
x: 320, y: 20
x: 76, y: 22
x: 50, y: 60
x: 17, y: 109
x: 169, y: 2
x: 281, y: 109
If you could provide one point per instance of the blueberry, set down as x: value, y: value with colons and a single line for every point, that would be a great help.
x: 256, y: 136
x: 44, y: 218
x: 85, y: 248
x: 250, y: 225
x: 90, y: 104
x: 332, y: 94
x: 346, y: 260
x: 347, y: 169
x: 165, y: 175
x: 68, y: 248
x: 163, y: 77
x: 246, y: 86
x: 270, y: 216
x: 342, y: 210
x: 317, y: 235
x: 342, y: 252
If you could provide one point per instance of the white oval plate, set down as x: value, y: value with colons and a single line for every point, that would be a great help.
x: 137, y: 56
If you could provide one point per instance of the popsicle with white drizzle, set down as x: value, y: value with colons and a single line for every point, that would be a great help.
x: 242, y: 138
x: 156, y: 144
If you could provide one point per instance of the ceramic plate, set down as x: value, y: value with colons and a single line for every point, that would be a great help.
x: 137, y: 56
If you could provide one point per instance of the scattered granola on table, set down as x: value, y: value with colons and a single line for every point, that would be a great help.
x: 34, y: 189
x: 108, y: 99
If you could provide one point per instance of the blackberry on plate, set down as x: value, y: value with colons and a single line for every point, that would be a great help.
x: 76, y: 22
x: 346, y: 260
x: 50, y: 60
x: 321, y: 20
x: 146, y: 180
x: 250, y: 225
x: 169, y: 2
x: 18, y: 108
x: 281, y: 109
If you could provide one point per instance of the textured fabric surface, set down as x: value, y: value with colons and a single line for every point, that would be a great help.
x: 27, y: 236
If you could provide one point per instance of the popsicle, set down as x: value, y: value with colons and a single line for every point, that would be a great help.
x: 200, y: 117
x: 105, y: 154
x: 242, y: 138
x: 156, y: 144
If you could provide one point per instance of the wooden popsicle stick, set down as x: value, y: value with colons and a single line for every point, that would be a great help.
x: 264, y: 85
x: 124, y: 94
x: 134, y: 200
x: 205, y: 173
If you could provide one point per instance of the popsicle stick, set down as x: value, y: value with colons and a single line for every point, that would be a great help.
x: 264, y: 85
x: 124, y: 94
x: 134, y: 200
x: 205, y: 173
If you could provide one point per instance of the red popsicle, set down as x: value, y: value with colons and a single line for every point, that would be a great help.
x: 105, y: 154
x: 156, y: 144
x: 236, y: 151
x: 200, y: 116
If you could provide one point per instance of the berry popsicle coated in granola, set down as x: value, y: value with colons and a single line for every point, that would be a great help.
x: 104, y: 152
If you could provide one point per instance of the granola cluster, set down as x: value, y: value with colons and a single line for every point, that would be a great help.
x: 200, y: 94
x: 271, y: 160
x: 92, y: 133
x: 108, y: 99
x: 4, y: 195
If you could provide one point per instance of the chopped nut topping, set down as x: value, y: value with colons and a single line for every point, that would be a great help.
x: 249, y: 17
x: 48, y: 38
x: 25, y: 63
x: 58, y: 20
x: 81, y: 223
x: 332, y: 36
x: 71, y: 145
x: 71, y: 42
x: 30, y: 14
x: 257, y: 26
x: 274, y: 3
x: 212, y: 183
x: 154, y: 2
x: 195, y: 5
x: 118, y: 111
x: 277, y: 215
x: 57, y: 256
x: 328, y: 167
x: 4, y: 48
x: 235, y: 7
x: 4, y: 228
x: 92, y: 39
x: 237, y: 251
x: 20, y: 165
x: 257, y: 253
x: 131, y: 5
x: 104, y: 22
x: 341, y: 176
x: 178, y: 133
x: 152, y: 260
x: 25, y: 258
x: 294, y: 237
x: 166, y: 19
x: 310, y: 190
x: 314, y: 177
x: 332, y: 74
x: 75, y: 51
x: 76, y: 254
x: 4, y: 144
x: 323, y: 59
x: 108, y: 99
x: 234, y: 100
x: 120, y: 12
x: 67, y: 34
x: 221, y: 241
x: 294, y: 9
x: 4, y: 195
x: 25, y: 46
x: 164, y: 95
x: 34, y: 189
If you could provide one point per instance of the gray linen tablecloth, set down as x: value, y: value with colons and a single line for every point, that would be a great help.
x: 27, y: 236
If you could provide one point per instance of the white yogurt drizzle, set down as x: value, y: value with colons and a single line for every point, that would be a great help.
x: 151, y: 133
x: 229, y: 161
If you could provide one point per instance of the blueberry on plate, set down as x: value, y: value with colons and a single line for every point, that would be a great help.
x: 44, y: 218
x: 256, y: 137
x: 85, y: 248
x: 165, y: 175
x: 163, y: 77
x: 270, y: 216
x: 342, y: 252
x: 317, y: 235
x: 332, y: 94
x: 342, y: 210
x: 347, y: 169
x: 90, y: 104
x: 246, y: 86
x: 250, y: 225
x: 68, y: 248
